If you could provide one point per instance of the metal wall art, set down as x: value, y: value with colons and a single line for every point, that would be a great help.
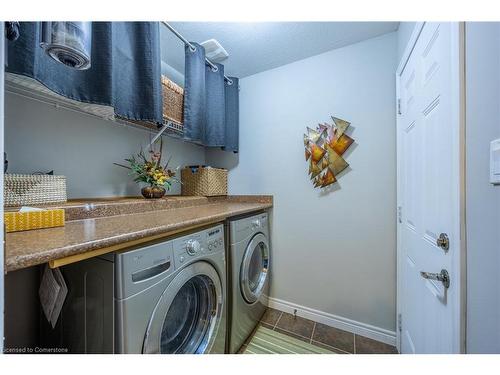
x: 324, y: 147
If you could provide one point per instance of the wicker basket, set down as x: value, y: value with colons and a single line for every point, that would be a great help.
x: 203, y: 181
x: 22, y: 190
x: 173, y: 107
x: 173, y: 100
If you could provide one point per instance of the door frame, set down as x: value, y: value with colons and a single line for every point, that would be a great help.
x: 459, y: 267
x: 2, y: 234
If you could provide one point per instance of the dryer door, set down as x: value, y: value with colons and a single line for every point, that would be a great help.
x: 188, y: 314
x: 254, y: 268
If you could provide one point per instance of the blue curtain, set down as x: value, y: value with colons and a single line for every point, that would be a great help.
x: 210, y: 105
x: 125, y: 70
x: 215, y: 132
x: 194, y: 94
x: 232, y: 115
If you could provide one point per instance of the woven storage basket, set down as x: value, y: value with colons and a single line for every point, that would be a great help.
x: 204, y: 181
x: 173, y: 100
x: 26, y: 189
x: 173, y: 106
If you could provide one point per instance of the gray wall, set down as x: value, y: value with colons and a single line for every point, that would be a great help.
x: 172, y: 74
x: 483, y: 199
x: 333, y: 250
x: 404, y: 33
x: 40, y: 137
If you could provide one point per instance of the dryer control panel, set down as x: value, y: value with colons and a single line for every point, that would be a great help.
x: 242, y: 229
x: 192, y: 246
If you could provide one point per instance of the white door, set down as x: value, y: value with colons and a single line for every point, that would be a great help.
x: 429, y: 186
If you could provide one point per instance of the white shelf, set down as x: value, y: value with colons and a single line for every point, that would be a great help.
x: 32, y: 89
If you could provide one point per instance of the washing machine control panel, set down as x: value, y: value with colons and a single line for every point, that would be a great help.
x: 193, y: 246
x: 215, y: 239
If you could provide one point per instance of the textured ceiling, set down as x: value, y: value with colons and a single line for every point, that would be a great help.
x: 257, y: 46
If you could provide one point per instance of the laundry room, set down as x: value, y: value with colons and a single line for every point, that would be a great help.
x: 280, y: 186
x: 253, y: 184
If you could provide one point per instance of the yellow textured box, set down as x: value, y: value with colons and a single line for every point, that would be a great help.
x: 18, y: 221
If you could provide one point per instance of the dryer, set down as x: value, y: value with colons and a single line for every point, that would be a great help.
x: 249, y: 261
x: 162, y: 297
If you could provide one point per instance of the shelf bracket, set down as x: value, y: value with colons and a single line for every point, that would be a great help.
x: 158, y: 135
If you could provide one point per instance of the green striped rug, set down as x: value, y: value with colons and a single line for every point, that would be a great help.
x: 266, y: 341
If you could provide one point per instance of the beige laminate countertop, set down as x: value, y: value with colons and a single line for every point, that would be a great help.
x: 30, y: 248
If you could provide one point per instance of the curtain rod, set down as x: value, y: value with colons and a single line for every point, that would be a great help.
x: 193, y: 48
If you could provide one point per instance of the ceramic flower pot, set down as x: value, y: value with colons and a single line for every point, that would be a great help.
x: 153, y: 192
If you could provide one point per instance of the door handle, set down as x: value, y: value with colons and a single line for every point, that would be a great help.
x: 443, y: 276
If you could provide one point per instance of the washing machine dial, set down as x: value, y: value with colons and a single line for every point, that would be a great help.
x: 192, y: 247
x: 255, y: 223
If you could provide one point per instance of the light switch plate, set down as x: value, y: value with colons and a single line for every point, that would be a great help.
x: 495, y: 162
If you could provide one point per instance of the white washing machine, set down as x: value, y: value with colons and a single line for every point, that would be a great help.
x: 248, y: 259
x: 169, y: 297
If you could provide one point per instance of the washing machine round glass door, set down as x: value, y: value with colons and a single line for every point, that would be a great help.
x: 254, y: 268
x: 187, y: 316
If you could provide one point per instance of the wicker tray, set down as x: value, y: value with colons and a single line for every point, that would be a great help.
x: 23, y: 190
x: 203, y: 181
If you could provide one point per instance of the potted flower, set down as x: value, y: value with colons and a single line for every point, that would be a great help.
x: 150, y: 171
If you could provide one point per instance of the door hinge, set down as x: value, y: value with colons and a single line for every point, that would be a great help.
x: 399, y: 106
x: 400, y: 322
x: 400, y: 214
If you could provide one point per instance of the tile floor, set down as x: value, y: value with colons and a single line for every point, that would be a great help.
x: 334, y: 339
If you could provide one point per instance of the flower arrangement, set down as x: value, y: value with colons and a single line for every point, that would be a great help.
x: 151, y: 171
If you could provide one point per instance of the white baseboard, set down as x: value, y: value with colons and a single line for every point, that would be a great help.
x: 358, y: 328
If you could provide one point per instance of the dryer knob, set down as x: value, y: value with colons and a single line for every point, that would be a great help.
x: 192, y: 247
x: 255, y: 223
